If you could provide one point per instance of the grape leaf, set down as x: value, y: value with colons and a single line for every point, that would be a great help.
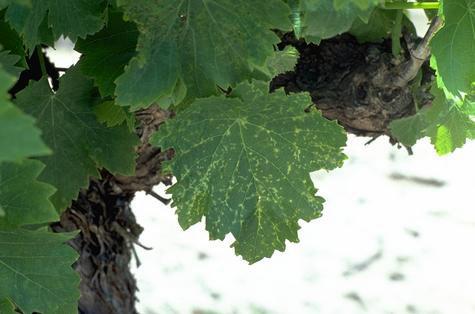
x: 23, y: 199
x: 444, y: 122
x: 321, y: 20
x: 105, y: 54
x: 244, y: 163
x: 454, y: 46
x: 19, y: 137
x: 11, y: 40
x: 8, y: 62
x: 379, y: 26
x: 49, y: 19
x: 5, y: 3
x: 362, y: 4
x: 201, y: 43
x: 7, y: 307
x: 80, y: 143
x: 282, y: 61
x: 112, y: 115
x: 36, y: 273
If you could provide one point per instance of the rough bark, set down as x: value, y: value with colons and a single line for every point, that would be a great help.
x: 348, y: 81
x: 108, y: 229
x: 353, y: 83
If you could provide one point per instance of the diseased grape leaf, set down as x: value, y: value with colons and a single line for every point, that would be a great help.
x: 36, y: 272
x: 47, y: 20
x: 198, y: 43
x: 243, y: 162
x: 321, y: 20
x: 19, y: 137
x: 80, y: 143
x: 105, y: 54
x: 23, y: 199
x: 445, y: 122
x: 454, y: 46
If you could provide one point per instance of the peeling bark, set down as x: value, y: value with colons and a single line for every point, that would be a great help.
x: 108, y: 229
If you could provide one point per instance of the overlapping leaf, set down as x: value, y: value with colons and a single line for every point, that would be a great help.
x: 198, y: 44
x: 19, y: 137
x: 105, y: 54
x: 454, y: 46
x: 80, y: 143
x: 47, y: 20
x: 322, y: 20
x: 24, y: 200
x: 244, y: 163
x: 445, y: 122
x: 36, y: 272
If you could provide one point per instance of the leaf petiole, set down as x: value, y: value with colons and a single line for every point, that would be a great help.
x: 400, y: 5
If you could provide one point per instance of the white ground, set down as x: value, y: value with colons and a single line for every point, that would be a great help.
x: 416, y: 238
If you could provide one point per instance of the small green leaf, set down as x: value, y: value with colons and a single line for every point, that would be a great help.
x: 244, y: 162
x: 19, y: 137
x: 454, y: 46
x: 110, y: 114
x: 321, y: 20
x: 23, y: 199
x: 282, y: 61
x: 445, y: 122
x: 200, y: 43
x: 36, y: 272
x: 80, y: 143
x: 105, y: 54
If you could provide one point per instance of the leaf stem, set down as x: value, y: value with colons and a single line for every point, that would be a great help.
x: 41, y: 58
x: 396, y: 34
x: 400, y: 5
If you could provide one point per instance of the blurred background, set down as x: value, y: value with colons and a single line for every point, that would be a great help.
x: 397, y: 236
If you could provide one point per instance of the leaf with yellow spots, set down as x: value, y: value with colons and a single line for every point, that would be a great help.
x: 243, y: 163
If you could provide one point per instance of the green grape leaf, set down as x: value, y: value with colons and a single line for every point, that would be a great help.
x: 49, y: 19
x: 19, y: 137
x: 110, y: 114
x: 321, y: 20
x: 282, y: 61
x: 105, y: 54
x: 7, y: 307
x: 8, y: 62
x: 80, y: 143
x: 200, y: 44
x: 445, y: 122
x: 454, y: 46
x: 36, y: 272
x: 362, y: 4
x: 243, y: 162
x: 11, y: 40
x: 5, y: 3
x: 23, y: 199
x: 378, y: 27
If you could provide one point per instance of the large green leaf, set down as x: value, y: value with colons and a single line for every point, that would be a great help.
x: 244, y: 164
x: 199, y: 43
x: 362, y: 4
x: 19, y: 137
x: 23, y: 199
x: 454, y: 46
x: 445, y: 122
x: 105, y: 54
x: 80, y: 143
x: 71, y: 18
x: 36, y: 273
x: 322, y: 20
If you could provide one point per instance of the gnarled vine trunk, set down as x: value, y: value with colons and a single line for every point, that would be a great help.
x: 108, y: 229
x: 348, y: 81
